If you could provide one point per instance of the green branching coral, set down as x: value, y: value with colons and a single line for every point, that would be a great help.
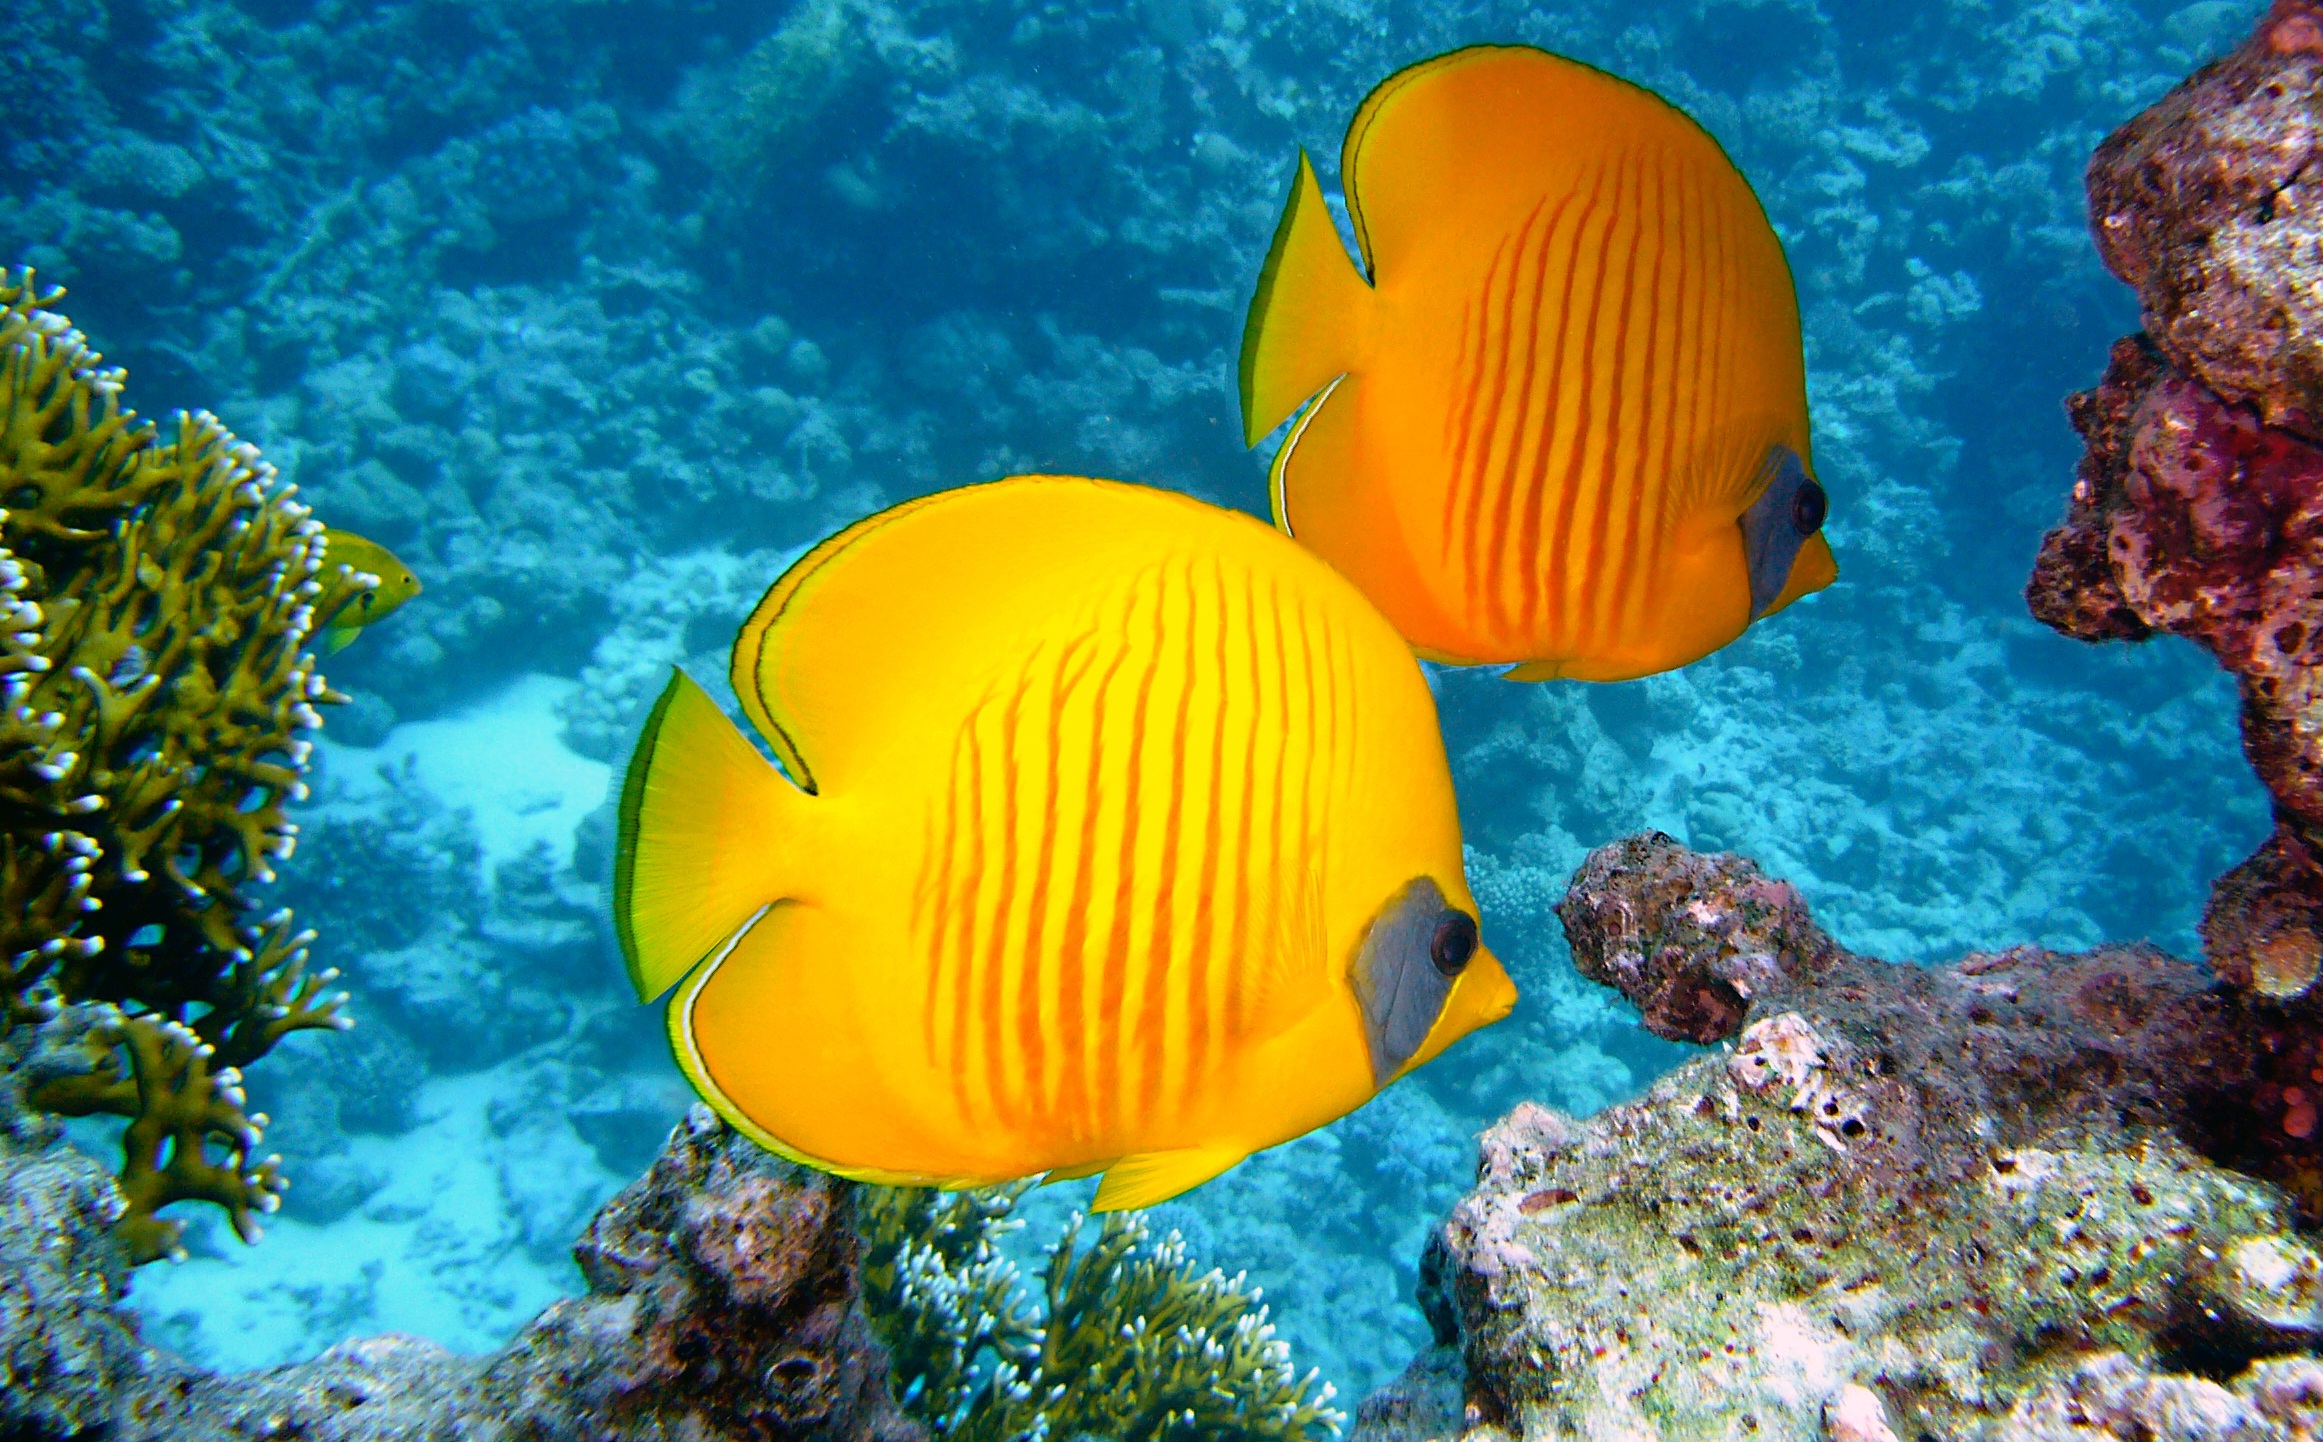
x: 785, y: 83
x: 188, y: 1139
x: 157, y: 591
x: 1134, y: 1342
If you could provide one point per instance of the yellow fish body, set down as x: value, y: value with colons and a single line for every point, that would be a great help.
x: 1564, y: 421
x: 396, y: 585
x: 1122, y: 840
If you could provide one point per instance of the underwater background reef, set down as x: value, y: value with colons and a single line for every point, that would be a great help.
x: 598, y: 312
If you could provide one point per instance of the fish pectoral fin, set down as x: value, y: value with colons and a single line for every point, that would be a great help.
x: 1290, y: 973
x: 1143, y: 1181
x: 1076, y: 1173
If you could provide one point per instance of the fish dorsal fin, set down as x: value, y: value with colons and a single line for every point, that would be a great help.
x: 889, y: 631
x: 1155, y: 1177
x: 754, y: 662
x: 1447, y: 151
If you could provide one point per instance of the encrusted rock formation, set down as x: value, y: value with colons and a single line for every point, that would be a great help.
x: 722, y: 1304
x: 2199, y: 506
x: 1907, y: 1201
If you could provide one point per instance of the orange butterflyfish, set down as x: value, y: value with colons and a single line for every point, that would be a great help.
x: 1560, y: 417
x: 1112, y: 832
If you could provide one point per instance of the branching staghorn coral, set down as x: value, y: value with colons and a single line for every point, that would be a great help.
x: 156, y: 598
x: 1132, y: 1344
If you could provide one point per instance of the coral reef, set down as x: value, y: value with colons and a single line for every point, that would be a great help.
x: 729, y: 1295
x: 2199, y: 506
x: 488, y: 282
x: 1947, y: 1187
x: 721, y: 1305
x: 1132, y: 1341
x: 158, y: 696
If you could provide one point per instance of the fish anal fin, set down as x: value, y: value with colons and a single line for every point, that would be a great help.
x: 1154, y: 1177
x: 1307, y: 316
x: 1603, y: 668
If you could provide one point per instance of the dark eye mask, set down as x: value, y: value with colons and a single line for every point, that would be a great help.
x: 1778, y: 524
x: 1418, y: 944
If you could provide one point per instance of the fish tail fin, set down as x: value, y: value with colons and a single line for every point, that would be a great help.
x: 706, y: 823
x: 1311, y: 307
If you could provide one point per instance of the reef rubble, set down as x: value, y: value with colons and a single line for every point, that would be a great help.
x: 1979, y: 1199
x: 723, y: 1303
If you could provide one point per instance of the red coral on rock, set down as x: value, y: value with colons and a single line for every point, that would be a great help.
x: 2199, y: 507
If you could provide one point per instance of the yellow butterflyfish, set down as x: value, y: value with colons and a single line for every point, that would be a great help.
x: 1117, y: 835
x: 1560, y: 417
x: 396, y: 585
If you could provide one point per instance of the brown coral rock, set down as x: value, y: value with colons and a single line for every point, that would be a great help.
x: 2192, y: 517
x: 1910, y: 1199
x: 721, y: 1308
x: 2210, y: 204
x: 722, y: 1305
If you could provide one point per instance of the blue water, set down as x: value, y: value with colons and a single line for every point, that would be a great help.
x: 597, y: 311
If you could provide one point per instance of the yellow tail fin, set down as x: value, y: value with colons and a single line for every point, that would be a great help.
x: 1311, y: 308
x: 706, y: 826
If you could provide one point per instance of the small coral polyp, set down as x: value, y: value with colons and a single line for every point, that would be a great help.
x: 158, y: 588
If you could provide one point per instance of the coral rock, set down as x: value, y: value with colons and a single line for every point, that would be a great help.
x: 2111, y: 1396
x: 2199, y: 505
x: 2193, y: 518
x: 722, y: 1305
x: 1691, y: 969
x: 1908, y: 1201
x: 2205, y: 204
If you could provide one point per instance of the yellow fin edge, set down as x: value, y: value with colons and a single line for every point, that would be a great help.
x: 1374, y: 105
x: 750, y: 644
x: 1278, y: 474
x: 1310, y: 305
x: 697, y: 1071
x: 704, y: 829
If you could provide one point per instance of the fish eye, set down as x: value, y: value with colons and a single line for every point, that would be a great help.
x: 1808, y: 507
x: 1454, y: 944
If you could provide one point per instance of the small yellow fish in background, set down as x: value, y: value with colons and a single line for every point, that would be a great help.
x: 396, y: 585
x: 1564, y: 421
x: 1122, y: 840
